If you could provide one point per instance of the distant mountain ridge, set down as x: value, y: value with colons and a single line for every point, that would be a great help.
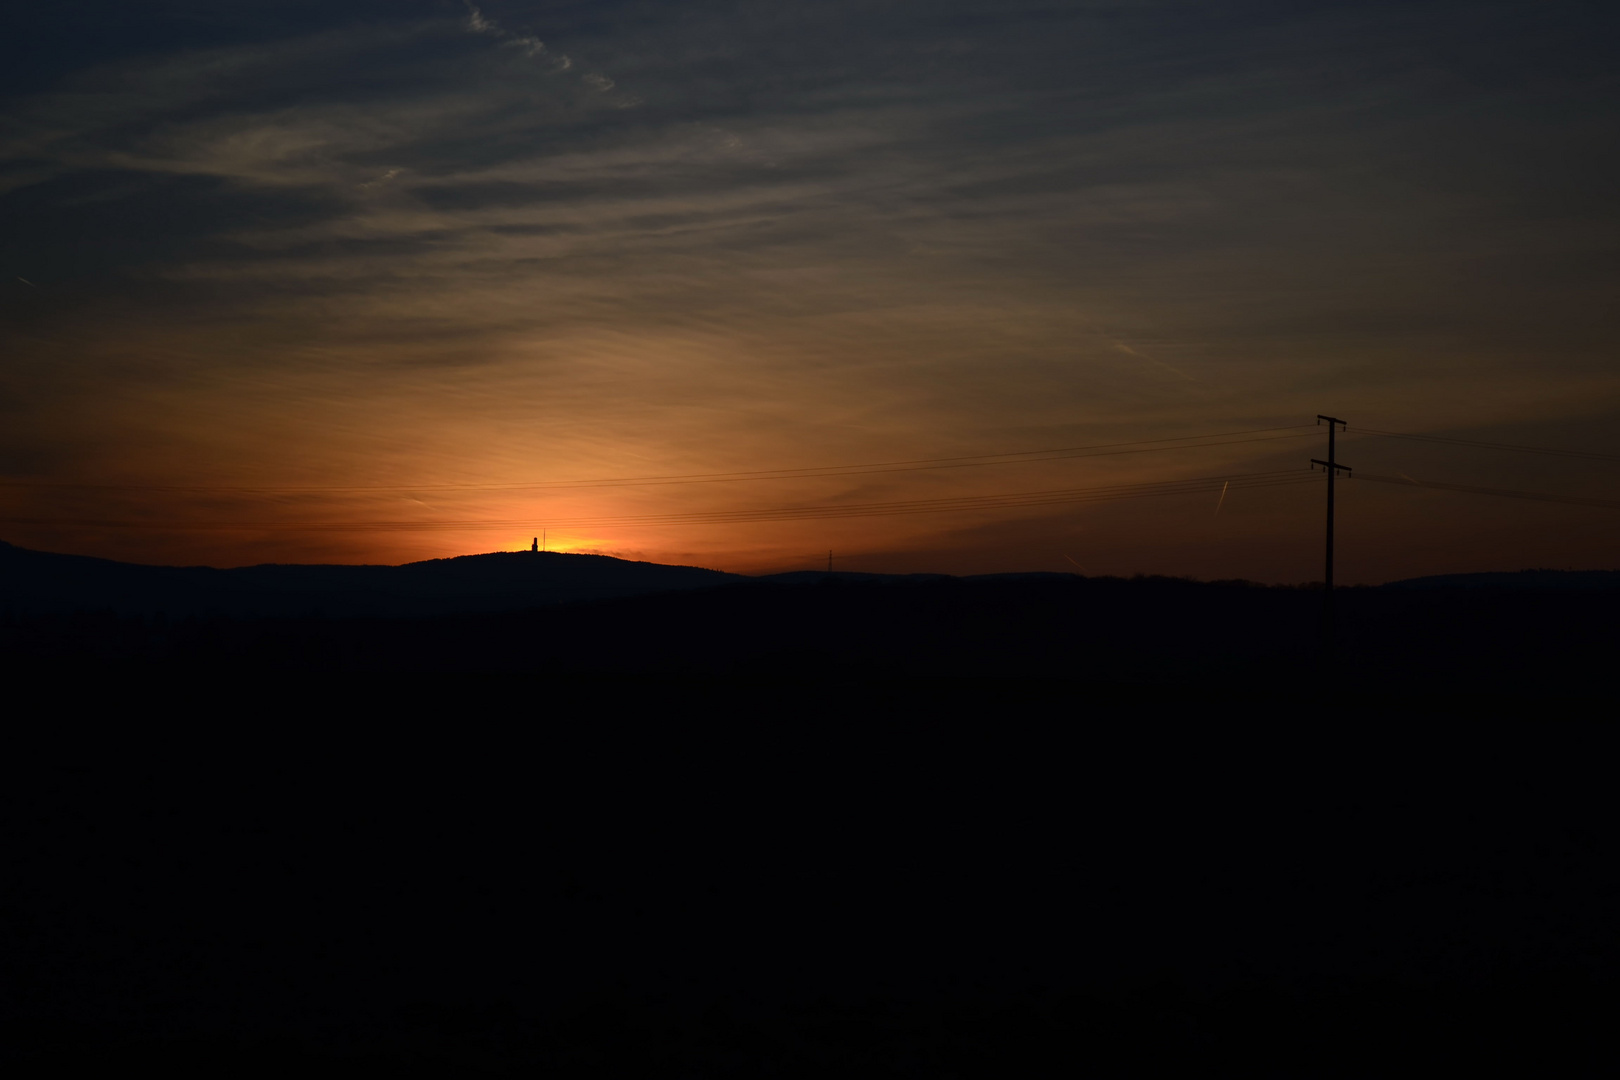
x: 1537, y: 580
x: 38, y: 582
x: 41, y: 582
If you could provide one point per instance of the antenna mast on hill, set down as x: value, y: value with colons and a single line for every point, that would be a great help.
x: 1331, y: 467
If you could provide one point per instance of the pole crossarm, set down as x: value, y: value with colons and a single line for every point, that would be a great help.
x: 1330, y: 464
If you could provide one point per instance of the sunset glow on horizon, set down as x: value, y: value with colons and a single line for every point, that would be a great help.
x: 936, y: 287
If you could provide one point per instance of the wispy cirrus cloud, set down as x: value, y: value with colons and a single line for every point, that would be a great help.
x: 529, y: 45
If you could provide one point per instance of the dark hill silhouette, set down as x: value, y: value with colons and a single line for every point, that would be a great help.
x: 817, y: 577
x: 808, y: 825
x: 1537, y: 631
x: 600, y: 616
x: 1520, y: 580
x: 43, y: 582
x: 39, y: 582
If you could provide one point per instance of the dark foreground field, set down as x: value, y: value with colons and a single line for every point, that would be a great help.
x: 1105, y: 828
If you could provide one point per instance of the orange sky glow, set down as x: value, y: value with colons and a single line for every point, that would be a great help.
x: 257, y: 311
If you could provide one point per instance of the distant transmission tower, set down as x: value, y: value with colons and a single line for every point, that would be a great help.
x: 1331, y: 467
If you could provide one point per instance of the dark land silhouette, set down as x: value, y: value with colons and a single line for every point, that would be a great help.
x: 810, y: 825
x: 1537, y: 631
x: 42, y: 582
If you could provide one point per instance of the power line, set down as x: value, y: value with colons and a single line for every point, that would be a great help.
x: 1017, y: 457
x: 1013, y: 500
x: 1588, y: 455
x: 961, y: 503
x: 1507, y: 493
x: 1007, y: 501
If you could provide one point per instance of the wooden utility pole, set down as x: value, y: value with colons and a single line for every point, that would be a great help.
x: 1331, y: 466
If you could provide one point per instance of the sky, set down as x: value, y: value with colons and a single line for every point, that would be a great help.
x: 947, y: 286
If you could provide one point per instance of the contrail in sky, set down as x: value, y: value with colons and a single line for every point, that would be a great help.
x: 1222, y: 499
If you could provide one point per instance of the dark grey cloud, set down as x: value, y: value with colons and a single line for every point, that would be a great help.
x: 1175, y: 93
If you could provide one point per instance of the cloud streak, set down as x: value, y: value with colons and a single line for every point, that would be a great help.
x: 530, y: 46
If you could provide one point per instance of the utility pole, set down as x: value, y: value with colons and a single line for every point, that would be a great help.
x: 1331, y: 466
x: 829, y: 562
